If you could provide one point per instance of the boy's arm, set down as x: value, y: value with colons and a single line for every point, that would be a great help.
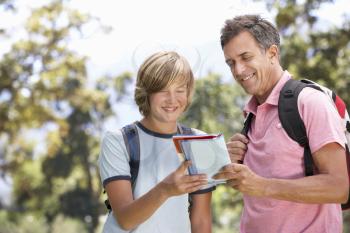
x: 200, y: 213
x: 129, y: 213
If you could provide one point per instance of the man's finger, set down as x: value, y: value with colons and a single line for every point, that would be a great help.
x: 227, y: 168
x: 239, y: 137
x: 225, y: 175
x: 236, y: 167
x: 236, y: 145
x: 236, y: 159
x: 233, y: 183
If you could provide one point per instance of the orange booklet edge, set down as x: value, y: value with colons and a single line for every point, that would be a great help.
x: 181, y: 137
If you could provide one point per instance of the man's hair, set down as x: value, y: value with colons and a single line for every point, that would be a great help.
x: 262, y: 30
x: 159, y: 71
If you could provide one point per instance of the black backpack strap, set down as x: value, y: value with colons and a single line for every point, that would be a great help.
x: 246, y: 127
x: 346, y: 206
x: 247, y: 123
x: 132, y: 143
x: 291, y: 121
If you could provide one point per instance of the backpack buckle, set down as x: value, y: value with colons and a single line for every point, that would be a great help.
x: 288, y: 94
x: 303, y: 141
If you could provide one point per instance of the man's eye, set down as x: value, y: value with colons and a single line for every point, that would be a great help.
x: 229, y: 63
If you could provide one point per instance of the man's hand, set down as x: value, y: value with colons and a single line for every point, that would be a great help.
x: 240, y: 177
x: 237, y: 146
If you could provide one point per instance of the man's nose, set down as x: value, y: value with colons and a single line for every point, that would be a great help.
x: 239, y: 69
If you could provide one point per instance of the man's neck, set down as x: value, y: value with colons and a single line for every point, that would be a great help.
x: 275, y: 76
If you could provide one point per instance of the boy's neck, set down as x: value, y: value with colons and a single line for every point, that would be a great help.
x: 159, y: 127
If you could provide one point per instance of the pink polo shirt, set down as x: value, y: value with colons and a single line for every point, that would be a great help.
x: 271, y: 153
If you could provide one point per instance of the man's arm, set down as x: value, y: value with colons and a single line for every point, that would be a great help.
x: 331, y: 185
x: 201, y: 213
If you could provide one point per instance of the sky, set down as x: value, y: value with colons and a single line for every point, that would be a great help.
x: 141, y: 27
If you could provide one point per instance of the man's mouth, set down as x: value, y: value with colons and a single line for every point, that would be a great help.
x: 247, y: 77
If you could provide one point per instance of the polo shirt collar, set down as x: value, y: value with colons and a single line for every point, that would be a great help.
x: 272, y: 99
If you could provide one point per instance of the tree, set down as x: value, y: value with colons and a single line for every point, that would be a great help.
x: 309, y: 49
x: 45, y: 90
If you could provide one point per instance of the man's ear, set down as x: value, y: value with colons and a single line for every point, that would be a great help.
x: 273, y: 52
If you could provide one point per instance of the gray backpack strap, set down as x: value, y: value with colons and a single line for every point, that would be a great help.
x: 132, y: 143
x: 185, y: 130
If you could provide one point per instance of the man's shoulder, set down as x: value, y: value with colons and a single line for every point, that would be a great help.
x: 312, y: 97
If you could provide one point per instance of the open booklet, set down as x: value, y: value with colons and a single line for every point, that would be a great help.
x: 207, y: 152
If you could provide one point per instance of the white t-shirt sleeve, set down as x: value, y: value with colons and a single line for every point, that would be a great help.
x: 113, y: 159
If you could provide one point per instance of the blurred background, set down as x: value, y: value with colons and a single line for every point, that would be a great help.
x: 67, y: 72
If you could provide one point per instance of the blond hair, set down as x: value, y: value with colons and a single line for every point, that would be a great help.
x: 159, y: 71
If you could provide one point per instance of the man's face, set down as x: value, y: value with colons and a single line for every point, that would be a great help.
x: 250, y: 65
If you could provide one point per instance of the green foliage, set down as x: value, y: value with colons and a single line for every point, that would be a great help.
x: 27, y: 223
x: 44, y: 90
x: 312, y: 50
x: 216, y: 106
x: 36, y: 224
x: 227, y: 208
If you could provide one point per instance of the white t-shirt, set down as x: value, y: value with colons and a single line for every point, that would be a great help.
x: 158, y: 159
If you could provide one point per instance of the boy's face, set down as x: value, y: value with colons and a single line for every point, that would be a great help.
x: 250, y: 64
x: 169, y: 103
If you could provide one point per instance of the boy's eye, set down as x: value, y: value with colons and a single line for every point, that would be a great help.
x: 162, y: 92
x: 181, y: 90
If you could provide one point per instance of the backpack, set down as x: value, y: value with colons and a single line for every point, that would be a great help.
x: 132, y: 143
x: 294, y: 126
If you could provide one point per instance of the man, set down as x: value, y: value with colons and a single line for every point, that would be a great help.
x: 277, y: 196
